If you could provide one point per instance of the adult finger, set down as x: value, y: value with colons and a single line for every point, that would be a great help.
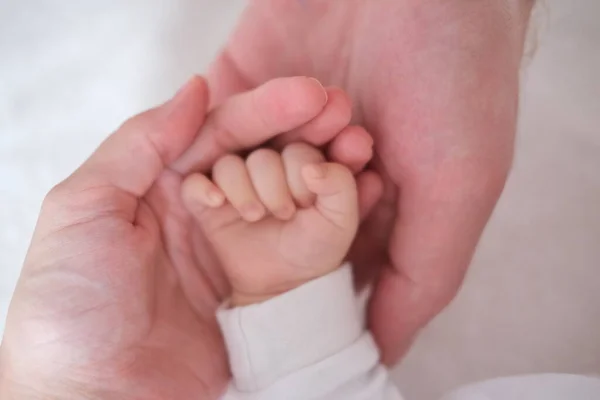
x: 248, y: 119
x: 324, y: 127
x: 438, y: 225
x: 225, y: 79
x: 370, y: 189
x: 127, y: 163
x: 348, y: 146
x: 353, y: 147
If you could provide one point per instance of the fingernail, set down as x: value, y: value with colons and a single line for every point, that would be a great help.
x: 215, y: 198
x: 287, y: 212
x: 252, y: 212
x: 322, y: 87
x: 183, y: 91
x: 315, y: 171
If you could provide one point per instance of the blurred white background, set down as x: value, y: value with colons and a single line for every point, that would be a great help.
x: 70, y: 72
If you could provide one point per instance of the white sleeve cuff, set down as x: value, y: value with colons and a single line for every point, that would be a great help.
x: 270, y: 340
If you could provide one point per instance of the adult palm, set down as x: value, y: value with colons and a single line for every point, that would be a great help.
x: 118, y: 292
x: 436, y: 84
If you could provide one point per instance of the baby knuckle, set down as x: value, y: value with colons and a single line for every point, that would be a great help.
x: 261, y: 156
x: 304, y: 151
x: 342, y: 172
x: 226, y: 161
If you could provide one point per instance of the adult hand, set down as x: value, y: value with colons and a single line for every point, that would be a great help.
x: 436, y: 83
x: 118, y: 293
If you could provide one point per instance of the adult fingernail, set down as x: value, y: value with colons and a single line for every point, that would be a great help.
x: 322, y: 87
x: 184, y: 90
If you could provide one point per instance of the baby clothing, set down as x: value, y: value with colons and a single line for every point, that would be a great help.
x: 311, y: 343
x: 308, y: 343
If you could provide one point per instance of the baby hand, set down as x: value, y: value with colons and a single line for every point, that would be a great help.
x: 276, y: 221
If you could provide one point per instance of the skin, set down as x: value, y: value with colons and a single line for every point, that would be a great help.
x: 434, y: 81
x: 436, y: 84
x: 278, y: 246
x: 119, y: 289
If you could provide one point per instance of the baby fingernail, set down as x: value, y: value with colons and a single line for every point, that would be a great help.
x: 252, y: 212
x: 323, y: 87
x: 315, y: 171
x: 287, y: 212
x: 215, y: 198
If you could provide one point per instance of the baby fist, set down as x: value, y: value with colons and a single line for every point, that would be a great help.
x: 275, y: 220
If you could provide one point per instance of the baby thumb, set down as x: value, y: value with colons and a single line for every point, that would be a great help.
x: 335, y: 188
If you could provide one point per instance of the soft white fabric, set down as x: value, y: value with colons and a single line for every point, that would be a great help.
x: 308, y: 343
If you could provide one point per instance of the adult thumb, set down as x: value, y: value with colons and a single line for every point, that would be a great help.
x: 128, y: 162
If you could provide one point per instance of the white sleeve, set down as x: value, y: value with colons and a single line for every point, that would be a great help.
x: 308, y: 343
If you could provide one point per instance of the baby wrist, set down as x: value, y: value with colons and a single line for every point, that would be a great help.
x: 267, y: 341
x: 240, y: 298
